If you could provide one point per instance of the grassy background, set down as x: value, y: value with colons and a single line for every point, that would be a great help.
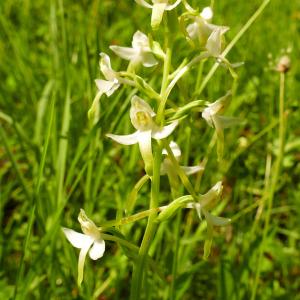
x: 52, y: 163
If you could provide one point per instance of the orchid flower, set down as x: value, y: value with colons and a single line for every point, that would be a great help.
x: 141, y: 115
x: 140, y: 51
x: 167, y: 166
x: 206, y: 201
x: 158, y: 7
x: 107, y: 86
x: 212, y: 115
x: 90, y: 241
x: 205, y: 34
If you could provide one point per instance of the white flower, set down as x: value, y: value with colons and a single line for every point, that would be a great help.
x: 107, y: 86
x: 206, y: 201
x: 205, y: 34
x: 89, y: 241
x: 212, y: 115
x: 111, y: 83
x: 140, y: 51
x: 167, y: 167
x: 158, y: 8
x: 141, y: 115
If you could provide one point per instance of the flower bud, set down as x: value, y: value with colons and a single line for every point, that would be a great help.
x: 284, y: 64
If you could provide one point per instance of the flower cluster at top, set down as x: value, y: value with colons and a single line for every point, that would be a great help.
x: 208, y: 41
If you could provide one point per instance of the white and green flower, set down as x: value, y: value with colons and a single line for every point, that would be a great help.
x: 158, y: 8
x: 207, y: 201
x: 206, y: 35
x: 213, y: 116
x: 105, y: 86
x: 90, y: 241
x: 141, y: 115
x: 140, y: 52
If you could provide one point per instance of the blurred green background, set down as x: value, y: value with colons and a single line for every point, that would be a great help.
x: 49, y: 54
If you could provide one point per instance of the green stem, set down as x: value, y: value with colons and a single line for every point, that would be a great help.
x: 139, y: 268
x: 277, y: 169
x: 162, y: 104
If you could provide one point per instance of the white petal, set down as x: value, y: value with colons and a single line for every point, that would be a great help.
x: 97, y: 249
x: 125, y: 52
x: 148, y: 60
x: 138, y: 104
x: 162, y: 133
x: 212, y: 194
x: 207, y: 13
x: 144, y: 138
x: 78, y: 240
x: 157, y: 14
x: 214, y: 42
x: 191, y: 170
x: 140, y: 40
x: 129, y: 139
x: 217, y: 221
x: 172, y: 6
x: 143, y: 3
x: 81, y: 260
x: 107, y: 87
x: 105, y: 67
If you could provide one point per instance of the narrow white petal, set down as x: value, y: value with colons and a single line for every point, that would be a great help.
x: 144, y: 138
x: 162, y: 133
x: 191, y: 170
x: 97, y: 249
x: 143, y: 3
x: 78, y: 240
x: 129, y: 139
x: 125, y: 52
x: 81, y: 260
x: 157, y: 14
x: 172, y: 6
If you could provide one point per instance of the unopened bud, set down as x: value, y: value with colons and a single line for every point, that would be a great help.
x: 284, y: 64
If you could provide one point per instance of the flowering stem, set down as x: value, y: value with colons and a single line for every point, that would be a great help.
x: 277, y: 169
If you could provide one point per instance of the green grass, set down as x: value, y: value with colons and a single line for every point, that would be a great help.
x: 52, y: 163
